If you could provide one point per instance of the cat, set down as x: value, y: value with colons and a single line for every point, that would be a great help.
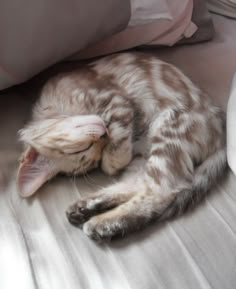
x: 108, y: 114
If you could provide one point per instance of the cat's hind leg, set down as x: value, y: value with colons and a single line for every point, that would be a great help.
x: 103, y: 200
x: 119, y: 209
x: 108, y: 197
x: 128, y: 217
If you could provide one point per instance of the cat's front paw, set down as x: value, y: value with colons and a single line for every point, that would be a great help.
x: 109, y: 165
x: 114, y: 161
x: 78, y: 214
x: 101, y: 230
x: 83, y: 209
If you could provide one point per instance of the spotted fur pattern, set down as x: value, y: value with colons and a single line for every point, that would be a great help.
x: 111, y: 112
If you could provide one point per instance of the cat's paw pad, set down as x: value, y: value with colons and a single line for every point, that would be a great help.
x: 101, y: 231
x: 78, y: 214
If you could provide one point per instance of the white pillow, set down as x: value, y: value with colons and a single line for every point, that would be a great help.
x: 231, y: 127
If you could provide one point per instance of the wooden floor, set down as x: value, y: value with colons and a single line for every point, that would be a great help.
x: 40, y: 249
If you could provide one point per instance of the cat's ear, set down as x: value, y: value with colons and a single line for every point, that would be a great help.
x: 33, y: 172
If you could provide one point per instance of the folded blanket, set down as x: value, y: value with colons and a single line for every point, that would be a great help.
x: 231, y: 127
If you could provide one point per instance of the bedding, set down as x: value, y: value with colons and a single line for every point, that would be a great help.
x: 35, y: 35
x: 178, y: 22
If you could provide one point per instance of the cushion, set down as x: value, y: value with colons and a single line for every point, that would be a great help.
x: 170, y: 24
x: 155, y: 23
x: 231, y: 125
x: 36, y: 34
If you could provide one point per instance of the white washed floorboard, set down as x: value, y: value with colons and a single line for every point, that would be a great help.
x: 194, y: 251
x: 15, y: 263
x: 45, y: 251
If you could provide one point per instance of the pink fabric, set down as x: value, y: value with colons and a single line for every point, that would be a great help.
x: 146, y: 11
x: 182, y: 26
x: 161, y: 31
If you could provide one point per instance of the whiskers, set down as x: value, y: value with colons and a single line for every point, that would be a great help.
x: 88, y: 179
x: 82, y: 174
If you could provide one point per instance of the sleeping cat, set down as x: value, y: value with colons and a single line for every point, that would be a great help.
x: 109, y: 112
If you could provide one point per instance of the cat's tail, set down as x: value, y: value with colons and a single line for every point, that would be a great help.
x: 205, y: 177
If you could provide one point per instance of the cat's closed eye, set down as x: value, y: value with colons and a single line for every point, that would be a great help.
x: 82, y: 150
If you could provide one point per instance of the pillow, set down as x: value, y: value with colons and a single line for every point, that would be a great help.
x: 36, y: 34
x: 170, y: 24
x: 231, y: 125
x: 164, y: 23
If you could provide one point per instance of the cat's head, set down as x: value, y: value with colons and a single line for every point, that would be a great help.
x: 70, y: 145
